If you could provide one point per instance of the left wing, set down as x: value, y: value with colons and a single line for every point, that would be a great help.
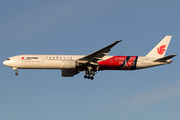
x: 98, y: 55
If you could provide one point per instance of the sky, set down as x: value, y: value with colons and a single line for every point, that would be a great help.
x: 79, y: 28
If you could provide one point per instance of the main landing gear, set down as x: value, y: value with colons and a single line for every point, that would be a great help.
x: 89, y: 75
x: 90, y: 72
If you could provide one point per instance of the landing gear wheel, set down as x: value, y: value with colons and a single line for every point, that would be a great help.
x: 93, y: 73
x: 88, y: 77
x: 85, y: 76
x: 92, y: 78
x: 87, y: 72
x: 16, y: 73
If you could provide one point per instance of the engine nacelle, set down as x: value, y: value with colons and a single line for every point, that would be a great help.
x: 69, y: 64
x: 68, y: 73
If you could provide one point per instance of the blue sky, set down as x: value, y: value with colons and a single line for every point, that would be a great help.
x: 79, y: 28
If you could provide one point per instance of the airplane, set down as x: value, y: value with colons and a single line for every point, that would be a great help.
x: 71, y: 65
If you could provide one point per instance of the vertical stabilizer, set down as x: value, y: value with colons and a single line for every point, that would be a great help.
x: 160, y: 49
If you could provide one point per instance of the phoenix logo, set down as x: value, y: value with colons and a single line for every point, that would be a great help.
x: 161, y: 49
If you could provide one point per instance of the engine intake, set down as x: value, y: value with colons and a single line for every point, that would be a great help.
x: 70, y: 64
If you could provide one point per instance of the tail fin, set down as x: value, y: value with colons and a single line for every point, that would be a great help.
x: 160, y: 49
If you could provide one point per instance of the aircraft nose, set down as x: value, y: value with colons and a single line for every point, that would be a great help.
x: 5, y: 63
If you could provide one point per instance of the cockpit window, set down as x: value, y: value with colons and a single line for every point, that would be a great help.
x: 8, y: 59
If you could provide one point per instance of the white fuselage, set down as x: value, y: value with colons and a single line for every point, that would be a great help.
x: 56, y: 61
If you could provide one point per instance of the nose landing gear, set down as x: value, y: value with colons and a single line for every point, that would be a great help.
x: 16, y: 73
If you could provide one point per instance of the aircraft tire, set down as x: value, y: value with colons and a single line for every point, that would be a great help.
x: 87, y: 72
x: 93, y: 73
x: 16, y: 73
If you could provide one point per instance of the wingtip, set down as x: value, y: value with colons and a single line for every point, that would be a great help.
x: 119, y: 40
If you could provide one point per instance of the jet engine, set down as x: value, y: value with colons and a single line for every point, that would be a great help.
x: 70, y: 64
x: 68, y: 73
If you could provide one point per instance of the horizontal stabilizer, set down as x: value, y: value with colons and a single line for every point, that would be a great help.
x: 164, y: 58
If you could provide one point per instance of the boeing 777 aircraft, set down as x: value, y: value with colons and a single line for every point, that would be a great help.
x: 71, y: 65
